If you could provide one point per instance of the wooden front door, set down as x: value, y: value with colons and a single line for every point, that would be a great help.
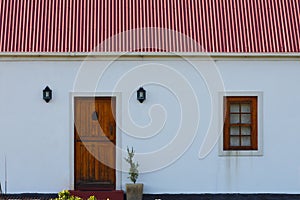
x: 95, y: 139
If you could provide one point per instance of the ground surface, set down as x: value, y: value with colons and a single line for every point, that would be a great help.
x: 27, y: 196
x: 174, y: 196
x: 222, y: 197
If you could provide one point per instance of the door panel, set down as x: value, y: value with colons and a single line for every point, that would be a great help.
x: 95, y: 137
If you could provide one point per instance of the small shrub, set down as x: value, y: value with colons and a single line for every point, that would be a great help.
x: 65, y: 195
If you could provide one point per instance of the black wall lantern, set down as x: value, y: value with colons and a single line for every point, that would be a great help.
x: 47, y: 94
x: 141, y: 94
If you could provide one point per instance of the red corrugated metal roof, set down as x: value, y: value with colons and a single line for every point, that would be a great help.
x: 217, y: 25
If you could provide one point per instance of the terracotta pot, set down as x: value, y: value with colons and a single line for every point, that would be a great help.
x: 134, y: 191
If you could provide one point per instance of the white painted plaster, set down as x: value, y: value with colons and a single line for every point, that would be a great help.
x: 36, y: 136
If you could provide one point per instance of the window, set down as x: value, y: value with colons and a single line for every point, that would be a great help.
x: 240, y: 123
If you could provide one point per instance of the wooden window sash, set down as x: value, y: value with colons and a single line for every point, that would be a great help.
x: 229, y: 100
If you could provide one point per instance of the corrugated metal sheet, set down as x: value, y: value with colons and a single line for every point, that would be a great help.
x: 216, y: 25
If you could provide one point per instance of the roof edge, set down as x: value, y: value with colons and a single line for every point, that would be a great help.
x: 142, y: 54
x: 79, y: 56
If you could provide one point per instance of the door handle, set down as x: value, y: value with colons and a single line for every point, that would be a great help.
x: 111, y: 129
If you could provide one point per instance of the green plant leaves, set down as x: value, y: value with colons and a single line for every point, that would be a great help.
x: 133, y: 170
x: 65, y: 195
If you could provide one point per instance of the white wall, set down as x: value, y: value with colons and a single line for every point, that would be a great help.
x: 35, y: 136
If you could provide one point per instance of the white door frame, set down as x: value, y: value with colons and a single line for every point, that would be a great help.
x: 118, y: 133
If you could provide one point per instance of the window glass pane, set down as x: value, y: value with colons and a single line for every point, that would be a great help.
x: 246, y: 119
x: 234, y: 141
x: 245, y: 107
x: 234, y: 130
x: 246, y: 130
x: 234, y: 118
x: 246, y: 141
x: 234, y: 107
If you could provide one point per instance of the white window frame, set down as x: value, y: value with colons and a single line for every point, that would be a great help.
x: 259, y: 151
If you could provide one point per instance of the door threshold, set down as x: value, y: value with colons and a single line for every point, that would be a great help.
x: 95, y: 186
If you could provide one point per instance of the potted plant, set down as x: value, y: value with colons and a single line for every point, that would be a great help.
x: 134, y: 191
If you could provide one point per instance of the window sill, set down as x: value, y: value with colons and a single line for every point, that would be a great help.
x: 240, y: 152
